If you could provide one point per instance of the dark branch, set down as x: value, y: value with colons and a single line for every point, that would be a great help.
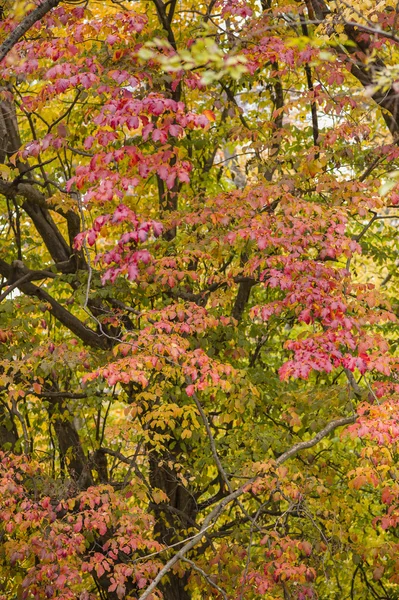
x: 25, y: 25
x: 87, y: 335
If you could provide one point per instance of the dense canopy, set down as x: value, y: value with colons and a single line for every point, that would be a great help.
x: 199, y: 390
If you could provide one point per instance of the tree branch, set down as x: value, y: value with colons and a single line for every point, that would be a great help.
x: 387, y: 99
x: 217, y: 511
x: 24, y: 26
x: 206, y: 577
x: 87, y: 335
x: 165, y: 22
x: 24, y: 276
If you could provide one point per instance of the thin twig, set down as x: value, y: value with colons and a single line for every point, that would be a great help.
x: 206, y: 577
x: 215, y: 455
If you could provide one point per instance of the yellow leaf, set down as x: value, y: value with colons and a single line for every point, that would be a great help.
x: 5, y: 172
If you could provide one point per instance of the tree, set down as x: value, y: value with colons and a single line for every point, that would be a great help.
x: 198, y: 374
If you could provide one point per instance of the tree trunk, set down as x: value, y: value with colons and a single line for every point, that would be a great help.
x: 173, y: 518
x: 8, y: 431
x: 70, y: 448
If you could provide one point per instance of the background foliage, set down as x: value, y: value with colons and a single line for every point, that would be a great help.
x: 198, y: 345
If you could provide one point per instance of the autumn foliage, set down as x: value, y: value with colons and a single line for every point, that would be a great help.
x: 199, y: 392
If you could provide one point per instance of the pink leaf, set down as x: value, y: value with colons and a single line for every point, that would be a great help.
x: 132, y: 271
